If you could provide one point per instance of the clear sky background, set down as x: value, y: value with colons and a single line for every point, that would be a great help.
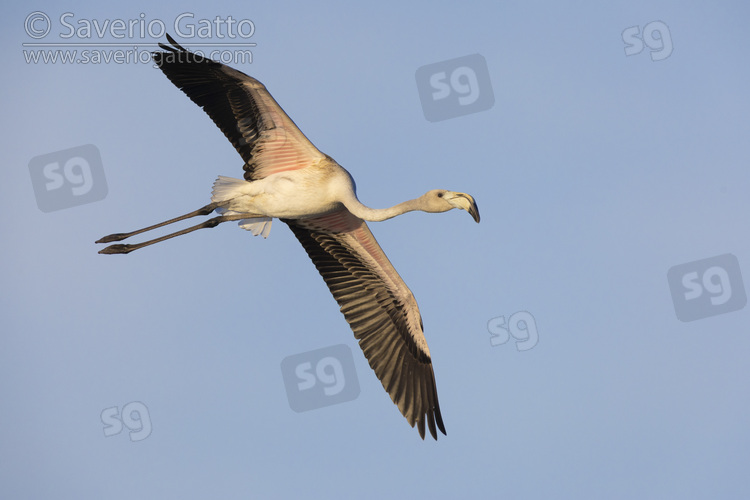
x: 595, y: 173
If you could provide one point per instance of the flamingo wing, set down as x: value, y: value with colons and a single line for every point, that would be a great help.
x: 380, y: 309
x: 261, y: 132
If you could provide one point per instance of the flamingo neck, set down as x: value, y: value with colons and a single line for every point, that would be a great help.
x: 381, y: 214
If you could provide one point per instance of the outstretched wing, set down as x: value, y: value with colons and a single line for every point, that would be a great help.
x: 261, y: 132
x: 380, y: 309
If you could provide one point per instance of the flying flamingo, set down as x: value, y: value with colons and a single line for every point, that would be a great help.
x: 288, y: 178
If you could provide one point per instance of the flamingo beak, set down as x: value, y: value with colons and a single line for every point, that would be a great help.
x: 464, y: 202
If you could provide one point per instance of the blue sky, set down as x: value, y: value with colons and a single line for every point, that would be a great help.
x: 595, y: 172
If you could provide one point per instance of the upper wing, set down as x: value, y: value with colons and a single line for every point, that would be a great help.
x: 261, y: 132
x: 380, y: 309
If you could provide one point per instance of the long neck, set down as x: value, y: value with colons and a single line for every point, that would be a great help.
x: 379, y: 214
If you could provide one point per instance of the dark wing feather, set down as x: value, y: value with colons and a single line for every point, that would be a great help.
x: 241, y: 106
x: 380, y: 310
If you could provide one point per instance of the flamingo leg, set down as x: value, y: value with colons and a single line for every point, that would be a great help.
x: 213, y: 222
x: 121, y: 236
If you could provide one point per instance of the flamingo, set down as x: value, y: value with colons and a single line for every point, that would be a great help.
x: 287, y: 178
